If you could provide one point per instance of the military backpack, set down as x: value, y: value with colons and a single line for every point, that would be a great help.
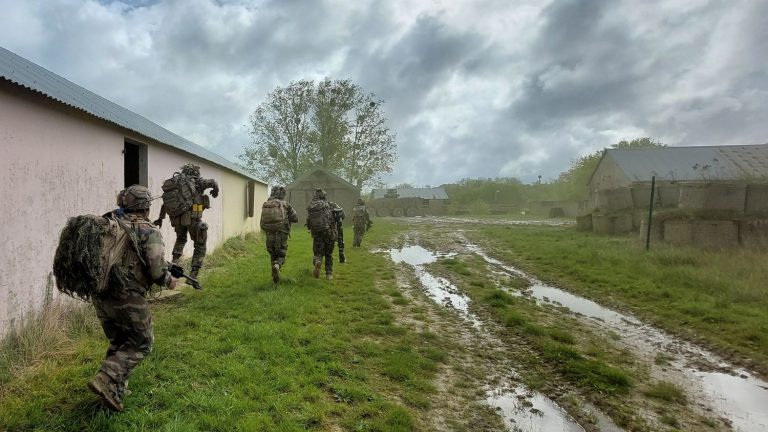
x: 358, y: 215
x: 319, y: 216
x: 178, y: 194
x: 273, y: 216
x: 88, y: 251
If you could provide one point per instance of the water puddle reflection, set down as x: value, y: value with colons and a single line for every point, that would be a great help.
x: 530, y: 412
x: 738, y: 396
x: 439, y: 289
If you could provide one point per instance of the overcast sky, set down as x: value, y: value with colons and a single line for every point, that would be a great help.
x: 473, y: 88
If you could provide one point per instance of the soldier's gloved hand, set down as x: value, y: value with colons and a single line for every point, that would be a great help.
x: 158, y: 222
x: 172, y: 283
x: 215, y: 193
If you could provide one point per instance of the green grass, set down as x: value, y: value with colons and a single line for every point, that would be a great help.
x: 667, y: 392
x: 245, y: 354
x: 718, y: 297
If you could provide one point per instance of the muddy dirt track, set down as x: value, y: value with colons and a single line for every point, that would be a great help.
x: 483, y: 386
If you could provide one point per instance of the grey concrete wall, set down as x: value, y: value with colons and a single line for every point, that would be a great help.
x: 611, y: 200
x: 756, y: 201
x: 612, y: 224
x: 713, y: 196
x: 301, y: 193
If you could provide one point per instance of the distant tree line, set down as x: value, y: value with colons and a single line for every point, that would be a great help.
x: 485, y: 194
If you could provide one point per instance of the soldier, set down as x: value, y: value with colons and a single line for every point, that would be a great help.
x: 192, y: 221
x: 321, y: 223
x: 276, y: 219
x: 361, y: 221
x: 124, y: 313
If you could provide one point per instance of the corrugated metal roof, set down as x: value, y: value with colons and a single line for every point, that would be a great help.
x: 307, y: 174
x: 23, y: 72
x: 738, y: 162
x: 425, y: 193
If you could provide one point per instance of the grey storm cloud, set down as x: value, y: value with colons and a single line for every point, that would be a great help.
x: 472, y: 88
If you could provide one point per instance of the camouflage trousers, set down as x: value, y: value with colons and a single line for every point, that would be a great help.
x: 322, y: 247
x: 277, y: 246
x: 359, y: 232
x: 127, y: 323
x: 198, y: 232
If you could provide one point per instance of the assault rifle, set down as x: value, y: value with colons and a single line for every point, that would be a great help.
x: 338, y: 216
x: 177, y: 271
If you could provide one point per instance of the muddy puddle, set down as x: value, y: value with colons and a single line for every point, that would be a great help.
x: 520, y: 408
x: 439, y: 289
x: 738, y: 397
x: 481, y: 221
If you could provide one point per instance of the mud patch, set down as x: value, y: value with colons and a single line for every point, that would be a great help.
x: 527, y: 411
x: 737, y: 395
x: 439, y: 289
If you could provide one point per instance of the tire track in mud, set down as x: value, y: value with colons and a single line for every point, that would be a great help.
x: 739, y: 398
x: 481, y: 376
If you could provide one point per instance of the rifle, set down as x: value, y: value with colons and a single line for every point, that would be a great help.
x: 338, y: 215
x: 177, y: 271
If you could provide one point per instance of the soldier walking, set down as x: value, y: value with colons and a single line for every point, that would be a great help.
x: 276, y: 219
x: 361, y: 222
x: 321, y: 223
x: 186, y: 212
x: 124, y: 313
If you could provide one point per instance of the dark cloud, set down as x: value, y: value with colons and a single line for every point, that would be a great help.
x: 472, y: 89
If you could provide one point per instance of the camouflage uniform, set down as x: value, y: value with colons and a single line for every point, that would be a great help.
x: 277, y: 242
x: 124, y: 314
x: 324, y: 242
x: 360, y: 224
x: 191, y: 222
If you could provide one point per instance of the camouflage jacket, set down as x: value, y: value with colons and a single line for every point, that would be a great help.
x: 144, y: 261
x: 290, y: 214
x: 360, y: 216
x: 200, y: 202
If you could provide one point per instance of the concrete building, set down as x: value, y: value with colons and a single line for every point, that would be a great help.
x: 703, y: 195
x: 431, y: 201
x: 301, y: 191
x: 68, y: 151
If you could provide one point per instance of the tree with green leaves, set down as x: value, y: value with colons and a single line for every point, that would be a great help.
x: 333, y: 124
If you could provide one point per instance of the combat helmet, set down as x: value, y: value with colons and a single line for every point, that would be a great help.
x: 320, y: 194
x: 191, y: 170
x: 360, y: 201
x: 278, y: 192
x: 134, y: 198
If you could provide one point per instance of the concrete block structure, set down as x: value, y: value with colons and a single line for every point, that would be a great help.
x: 709, y: 197
x: 301, y: 191
x: 68, y: 151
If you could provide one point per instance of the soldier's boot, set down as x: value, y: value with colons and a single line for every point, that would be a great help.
x: 103, y: 386
x: 275, y: 272
x: 195, y: 270
x: 329, y: 276
x: 176, y: 258
x: 316, y: 271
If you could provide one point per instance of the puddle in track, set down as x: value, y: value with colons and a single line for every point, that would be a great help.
x: 530, y: 412
x: 437, y: 288
x: 522, y: 408
x: 739, y: 397
x: 480, y: 221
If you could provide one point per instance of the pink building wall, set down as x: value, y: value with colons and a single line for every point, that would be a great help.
x: 57, y: 162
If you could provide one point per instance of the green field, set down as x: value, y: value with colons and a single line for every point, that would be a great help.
x: 718, y: 298
x: 247, y: 355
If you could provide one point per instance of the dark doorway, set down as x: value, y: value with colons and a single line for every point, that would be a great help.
x: 134, y: 164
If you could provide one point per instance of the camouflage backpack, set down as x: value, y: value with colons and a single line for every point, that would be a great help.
x: 273, y: 216
x: 319, y: 216
x: 89, y: 247
x: 178, y: 194
x: 358, y: 214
